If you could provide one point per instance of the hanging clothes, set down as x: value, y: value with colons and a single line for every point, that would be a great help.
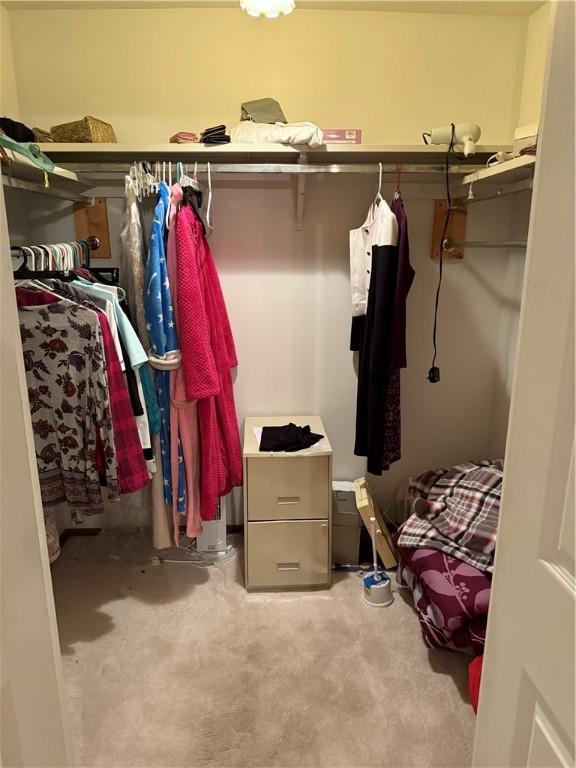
x: 183, y: 413
x: 70, y: 405
x: 135, y: 356
x: 164, y: 352
x: 404, y: 280
x: 132, y: 261
x: 132, y: 471
x: 379, y: 229
x: 379, y: 337
x: 208, y: 355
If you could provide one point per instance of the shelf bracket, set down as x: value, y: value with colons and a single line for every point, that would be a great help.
x: 301, y: 193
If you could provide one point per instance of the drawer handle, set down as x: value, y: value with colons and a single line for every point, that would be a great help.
x: 287, y: 566
x: 285, y: 500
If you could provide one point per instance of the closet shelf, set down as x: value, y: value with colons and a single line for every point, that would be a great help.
x: 264, y: 153
x: 63, y: 183
x: 24, y: 169
x: 518, y: 169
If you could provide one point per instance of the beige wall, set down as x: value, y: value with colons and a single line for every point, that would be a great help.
x: 9, y: 104
x: 153, y: 72
x: 288, y: 292
x: 537, y: 41
x: 288, y: 295
x: 31, y: 708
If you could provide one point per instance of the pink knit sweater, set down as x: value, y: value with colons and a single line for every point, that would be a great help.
x: 208, y: 354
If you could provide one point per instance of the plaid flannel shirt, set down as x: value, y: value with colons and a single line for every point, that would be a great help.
x: 459, y: 512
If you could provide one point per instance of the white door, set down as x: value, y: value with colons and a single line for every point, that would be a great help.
x: 526, y: 714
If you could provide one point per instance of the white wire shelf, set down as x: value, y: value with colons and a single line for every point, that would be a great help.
x: 509, y: 172
x: 24, y: 169
x: 63, y: 183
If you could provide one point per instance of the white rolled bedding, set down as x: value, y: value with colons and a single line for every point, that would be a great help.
x: 247, y: 132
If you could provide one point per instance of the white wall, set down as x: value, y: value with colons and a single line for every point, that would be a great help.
x: 288, y: 295
x: 31, y: 708
x: 537, y: 42
x: 153, y: 72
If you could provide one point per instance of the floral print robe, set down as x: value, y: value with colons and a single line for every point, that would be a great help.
x: 69, y: 404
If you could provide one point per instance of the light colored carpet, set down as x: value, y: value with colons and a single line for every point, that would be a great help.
x: 176, y: 666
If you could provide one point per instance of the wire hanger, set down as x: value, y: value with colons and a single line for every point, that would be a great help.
x: 209, y: 225
x: 190, y: 181
x: 378, y: 199
x: 398, y: 176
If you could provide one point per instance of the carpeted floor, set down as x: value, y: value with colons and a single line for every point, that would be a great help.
x: 178, y: 666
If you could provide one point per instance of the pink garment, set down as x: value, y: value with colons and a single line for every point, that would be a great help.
x: 184, y: 137
x: 183, y: 413
x: 208, y: 354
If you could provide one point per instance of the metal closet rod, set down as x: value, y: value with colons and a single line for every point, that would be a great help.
x: 294, y: 168
x: 450, y: 245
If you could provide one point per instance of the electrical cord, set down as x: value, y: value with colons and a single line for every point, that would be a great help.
x: 434, y: 372
x: 424, y: 139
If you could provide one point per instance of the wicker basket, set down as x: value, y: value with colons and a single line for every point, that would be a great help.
x: 89, y: 129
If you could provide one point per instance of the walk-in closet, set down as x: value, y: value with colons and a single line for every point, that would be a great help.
x: 287, y: 383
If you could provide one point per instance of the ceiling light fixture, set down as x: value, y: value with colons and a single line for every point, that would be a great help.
x: 269, y: 8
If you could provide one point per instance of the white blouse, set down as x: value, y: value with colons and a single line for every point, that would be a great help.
x: 380, y: 228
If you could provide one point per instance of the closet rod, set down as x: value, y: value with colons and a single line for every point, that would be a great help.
x: 92, y: 241
x: 449, y: 245
x: 367, y: 168
x: 30, y: 186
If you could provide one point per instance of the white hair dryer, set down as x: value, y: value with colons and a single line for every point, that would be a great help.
x: 465, y: 136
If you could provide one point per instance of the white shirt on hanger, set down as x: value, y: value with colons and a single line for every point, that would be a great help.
x: 380, y: 228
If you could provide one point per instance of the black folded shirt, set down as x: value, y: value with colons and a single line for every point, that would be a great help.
x: 289, y: 438
x: 216, y: 139
x: 215, y: 129
x: 215, y: 135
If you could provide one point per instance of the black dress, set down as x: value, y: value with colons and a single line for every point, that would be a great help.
x: 382, y: 352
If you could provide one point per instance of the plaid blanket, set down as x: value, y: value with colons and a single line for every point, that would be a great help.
x: 456, y: 511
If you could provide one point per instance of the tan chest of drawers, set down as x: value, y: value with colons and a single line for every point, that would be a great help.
x: 287, y: 510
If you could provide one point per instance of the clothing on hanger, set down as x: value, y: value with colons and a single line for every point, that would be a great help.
x: 125, y: 338
x: 405, y: 278
x: 380, y: 340
x: 208, y: 354
x: 380, y: 229
x: 184, y: 436
x: 132, y: 261
x: 132, y: 471
x: 164, y: 350
x: 69, y: 403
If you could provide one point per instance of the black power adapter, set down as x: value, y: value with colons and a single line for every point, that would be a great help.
x: 434, y: 375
